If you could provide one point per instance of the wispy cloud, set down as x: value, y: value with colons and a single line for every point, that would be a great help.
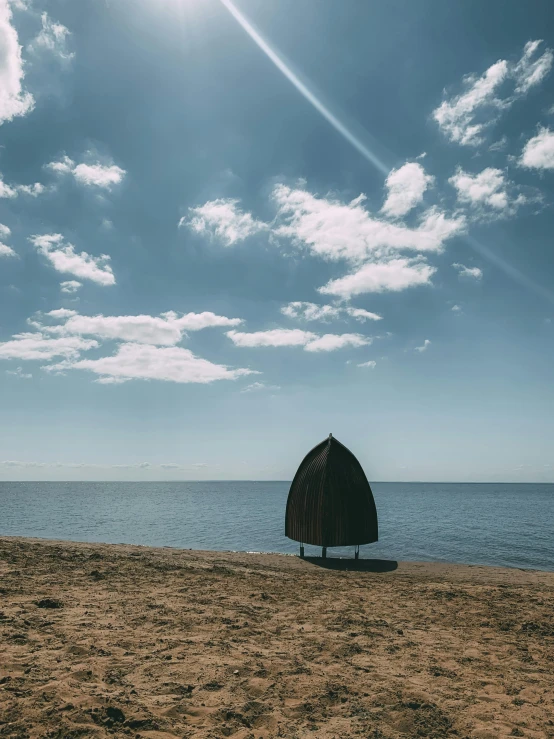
x: 152, y: 466
x: 470, y: 272
x: 33, y: 346
x: 224, y: 220
x: 465, y: 118
x: 310, y: 341
x: 362, y: 315
x: 70, y: 286
x: 92, y: 174
x: 63, y: 257
x: 530, y: 70
x: 18, y: 372
x: 256, y: 387
x: 331, y: 342
x: 52, y: 38
x: 370, y: 364
x: 314, y: 312
x: 423, y: 348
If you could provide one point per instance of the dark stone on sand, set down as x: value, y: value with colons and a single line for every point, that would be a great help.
x: 115, y: 714
x: 49, y: 603
x: 146, y: 724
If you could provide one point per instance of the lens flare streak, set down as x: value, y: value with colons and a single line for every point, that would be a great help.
x: 303, y: 88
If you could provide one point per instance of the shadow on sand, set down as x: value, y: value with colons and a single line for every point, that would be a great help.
x: 354, y: 565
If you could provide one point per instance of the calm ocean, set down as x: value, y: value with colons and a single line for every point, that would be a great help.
x: 493, y: 524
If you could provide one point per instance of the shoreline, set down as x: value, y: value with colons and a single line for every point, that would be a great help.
x: 162, y: 643
x: 404, y: 565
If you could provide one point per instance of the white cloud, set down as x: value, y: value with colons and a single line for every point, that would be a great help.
x: 14, y: 101
x: 6, y: 251
x: 18, y: 372
x: 335, y: 230
x: 538, y: 152
x: 330, y: 342
x: 166, y: 329
x: 148, y: 362
x: 38, y: 346
x: 273, y: 337
x: 423, y: 348
x: 64, y: 166
x: 95, y: 175
x: 362, y: 315
x: 457, y: 117
x: 224, y: 220
x: 98, y: 174
x: 70, y: 286
x: 12, y: 191
x: 456, y: 308
x: 486, y: 188
x: 198, y: 321
x: 314, y: 312
x: 16, y: 463
x: 65, y: 259
x: 33, y: 190
x: 295, y: 337
x: 406, y: 187
x: 6, y: 191
x: 310, y: 311
x: 392, y: 276
x: 258, y: 386
x: 90, y: 465
x: 371, y: 364
x: 471, y: 272
x: 529, y: 72
x: 499, y: 145
x: 465, y: 118
x: 52, y: 38
x: 61, y: 313
x: 4, y: 231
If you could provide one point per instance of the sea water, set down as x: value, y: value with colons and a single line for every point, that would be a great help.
x: 493, y: 524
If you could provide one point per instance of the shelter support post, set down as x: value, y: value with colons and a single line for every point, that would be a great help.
x: 357, y: 552
x: 302, y: 551
x: 323, y: 552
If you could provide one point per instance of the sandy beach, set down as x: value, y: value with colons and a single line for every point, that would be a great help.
x: 103, y: 640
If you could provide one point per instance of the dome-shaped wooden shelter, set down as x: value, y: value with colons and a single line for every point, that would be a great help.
x: 330, y: 502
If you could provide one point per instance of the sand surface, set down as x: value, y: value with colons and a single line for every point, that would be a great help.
x: 102, y: 640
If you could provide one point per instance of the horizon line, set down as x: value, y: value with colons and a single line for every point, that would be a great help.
x: 374, y: 482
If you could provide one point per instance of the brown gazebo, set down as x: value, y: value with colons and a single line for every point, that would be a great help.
x: 330, y: 502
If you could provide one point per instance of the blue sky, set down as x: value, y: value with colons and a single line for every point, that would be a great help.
x: 230, y: 227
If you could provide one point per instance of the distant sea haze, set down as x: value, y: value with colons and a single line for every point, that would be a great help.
x: 508, y: 525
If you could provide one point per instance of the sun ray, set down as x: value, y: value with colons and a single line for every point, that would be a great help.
x: 304, y: 89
